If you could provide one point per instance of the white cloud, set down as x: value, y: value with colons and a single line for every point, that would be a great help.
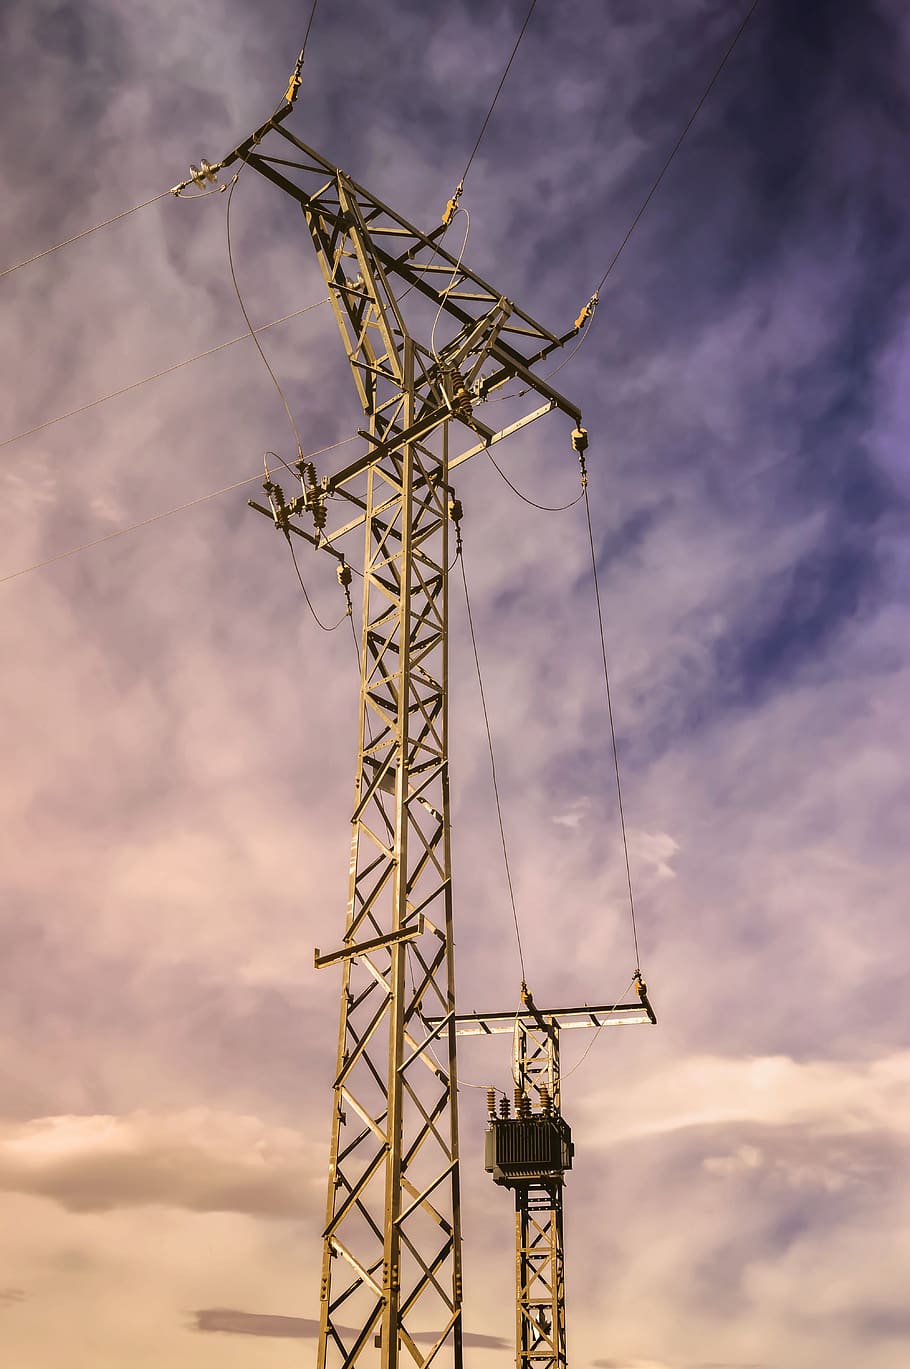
x: 197, y: 1160
x: 846, y: 1098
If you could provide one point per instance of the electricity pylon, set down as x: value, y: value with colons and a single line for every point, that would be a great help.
x: 391, y: 1268
x: 391, y: 1272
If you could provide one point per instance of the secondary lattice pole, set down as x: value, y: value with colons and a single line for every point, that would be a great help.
x: 531, y: 1152
x: 540, y: 1305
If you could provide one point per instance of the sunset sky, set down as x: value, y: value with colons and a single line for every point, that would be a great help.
x: 179, y: 739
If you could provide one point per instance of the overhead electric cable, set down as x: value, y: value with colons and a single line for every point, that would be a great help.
x: 502, y: 82
x: 679, y: 142
x: 309, y: 603
x: 154, y: 199
x: 157, y: 375
x: 603, y: 650
x: 453, y: 280
x: 544, y: 508
x: 452, y: 205
x: 586, y: 1052
x: 289, y: 98
x: 84, y: 234
x: 265, y: 361
x: 306, y: 36
x: 155, y: 518
x: 486, y: 722
x: 133, y: 527
x: 660, y: 175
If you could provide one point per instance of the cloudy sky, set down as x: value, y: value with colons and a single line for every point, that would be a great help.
x: 178, y: 739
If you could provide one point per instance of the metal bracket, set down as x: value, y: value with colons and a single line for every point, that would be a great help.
x: 374, y: 944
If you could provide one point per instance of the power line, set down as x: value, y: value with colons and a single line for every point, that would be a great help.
x: 660, y: 175
x: 452, y: 281
x: 155, y: 518
x: 580, y: 1061
x: 544, y: 508
x: 309, y: 603
x: 84, y: 234
x: 122, y: 532
x: 679, y: 142
x: 603, y: 650
x: 452, y: 206
x: 290, y: 97
x: 486, y: 721
x: 306, y: 36
x: 502, y: 82
x: 168, y: 370
x: 259, y: 348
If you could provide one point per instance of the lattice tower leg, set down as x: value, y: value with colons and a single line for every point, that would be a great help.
x: 391, y: 1274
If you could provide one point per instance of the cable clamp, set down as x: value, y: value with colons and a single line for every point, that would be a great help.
x: 452, y: 206
x: 587, y: 311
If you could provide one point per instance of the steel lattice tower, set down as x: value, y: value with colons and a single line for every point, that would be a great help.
x: 391, y: 1271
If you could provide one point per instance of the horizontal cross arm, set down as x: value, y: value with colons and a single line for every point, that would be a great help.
x: 604, y: 1015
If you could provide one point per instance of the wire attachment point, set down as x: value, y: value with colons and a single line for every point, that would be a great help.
x: 452, y: 206
x: 313, y: 494
x: 280, y: 512
x: 456, y: 513
x: 641, y: 989
x: 579, y: 445
x: 586, y: 312
x: 295, y: 82
x: 343, y: 571
x: 205, y: 174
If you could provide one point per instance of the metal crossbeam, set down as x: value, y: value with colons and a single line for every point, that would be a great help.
x: 564, y: 1019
